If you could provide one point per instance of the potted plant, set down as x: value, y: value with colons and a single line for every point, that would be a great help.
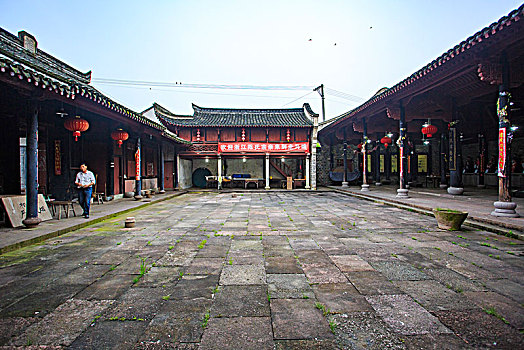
x: 449, y: 219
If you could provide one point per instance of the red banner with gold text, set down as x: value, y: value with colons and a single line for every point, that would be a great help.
x: 263, y: 147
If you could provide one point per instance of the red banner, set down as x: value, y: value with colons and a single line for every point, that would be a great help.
x: 263, y: 147
x: 137, y: 166
x: 502, y: 152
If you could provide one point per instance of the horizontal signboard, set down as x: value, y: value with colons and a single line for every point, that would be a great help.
x: 263, y: 147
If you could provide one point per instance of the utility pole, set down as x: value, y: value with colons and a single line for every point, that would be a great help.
x: 320, y: 90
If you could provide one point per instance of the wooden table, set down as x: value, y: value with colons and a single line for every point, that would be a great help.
x: 251, y: 181
x: 58, y: 206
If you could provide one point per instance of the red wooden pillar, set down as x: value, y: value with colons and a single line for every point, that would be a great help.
x: 504, y: 206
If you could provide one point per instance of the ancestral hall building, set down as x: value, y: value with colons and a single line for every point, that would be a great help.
x: 244, y: 147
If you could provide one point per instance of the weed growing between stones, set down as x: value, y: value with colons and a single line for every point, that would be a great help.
x: 322, y: 308
x: 205, y: 319
x: 202, y: 244
x: 143, y: 269
x: 332, y: 324
x: 491, y: 311
x: 166, y: 297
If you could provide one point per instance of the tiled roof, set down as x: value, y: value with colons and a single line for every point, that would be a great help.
x: 227, y: 117
x: 45, y: 71
x: 460, y: 49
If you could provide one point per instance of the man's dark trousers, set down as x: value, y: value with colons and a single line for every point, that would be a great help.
x: 84, y: 199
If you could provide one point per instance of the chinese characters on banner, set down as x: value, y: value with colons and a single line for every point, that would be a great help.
x: 137, y: 164
x: 502, y: 152
x: 58, y: 159
x: 263, y: 147
x: 422, y: 163
x: 453, y: 149
x: 394, y: 163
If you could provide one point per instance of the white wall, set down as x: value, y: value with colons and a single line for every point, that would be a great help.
x: 186, y: 173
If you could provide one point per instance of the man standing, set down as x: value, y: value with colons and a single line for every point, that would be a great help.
x: 85, y: 181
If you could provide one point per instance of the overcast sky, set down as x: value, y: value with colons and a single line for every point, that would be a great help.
x: 266, y: 43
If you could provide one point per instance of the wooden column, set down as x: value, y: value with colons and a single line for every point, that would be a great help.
x: 365, y: 186
x: 482, y: 160
x: 345, y: 150
x: 161, y: 169
x: 219, y: 171
x: 110, y: 172
x: 455, y: 157
x: 387, y: 164
x: 138, y: 170
x: 402, y: 192
x: 504, y: 206
x: 267, y: 172
x: 377, y: 162
x: 443, y: 163
x: 308, y: 186
x: 31, y: 191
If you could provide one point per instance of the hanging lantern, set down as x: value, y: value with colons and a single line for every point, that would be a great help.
x: 429, y: 130
x: 76, y: 125
x: 386, y: 141
x: 288, y: 135
x: 198, y: 135
x: 359, y: 146
x: 119, y: 136
x: 243, y: 134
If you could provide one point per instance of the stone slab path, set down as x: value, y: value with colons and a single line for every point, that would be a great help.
x: 279, y: 270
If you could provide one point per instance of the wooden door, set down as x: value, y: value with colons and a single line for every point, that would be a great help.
x: 168, y: 175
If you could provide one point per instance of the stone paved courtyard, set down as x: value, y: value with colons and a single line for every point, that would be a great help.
x: 282, y: 270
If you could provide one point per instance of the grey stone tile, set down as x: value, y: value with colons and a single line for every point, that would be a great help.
x: 298, y: 319
x: 405, y: 316
x: 243, y: 275
x: 238, y: 333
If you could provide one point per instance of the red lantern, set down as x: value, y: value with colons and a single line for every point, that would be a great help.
x: 76, y: 125
x: 288, y: 135
x: 359, y: 147
x: 386, y: 140
x: 243, y: 134
x: 198, y: 134
x: 429, y: 130
x: 119, y: 136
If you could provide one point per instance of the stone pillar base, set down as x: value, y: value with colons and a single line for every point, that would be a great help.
x: 31, y: 222
x: 162, y: 191
x: 344, y: 184
x: 443, y: 186
x: 365, y: 188
x: 506, y: 209
x: 138, y: 197
x: 402, y: 193
x: 481, y: 186
x: 267, y: 188
x: 455, y: 190
x: 378, y: 183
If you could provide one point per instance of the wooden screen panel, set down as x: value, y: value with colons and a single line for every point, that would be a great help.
x: 258, y: 135
x: 212, y: 134
x: 227, y: 134
x: 185, y: 134
x: 274, y: 135
x: 301, y: 134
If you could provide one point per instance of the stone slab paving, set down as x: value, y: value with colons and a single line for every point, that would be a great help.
x: 276, y: 270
